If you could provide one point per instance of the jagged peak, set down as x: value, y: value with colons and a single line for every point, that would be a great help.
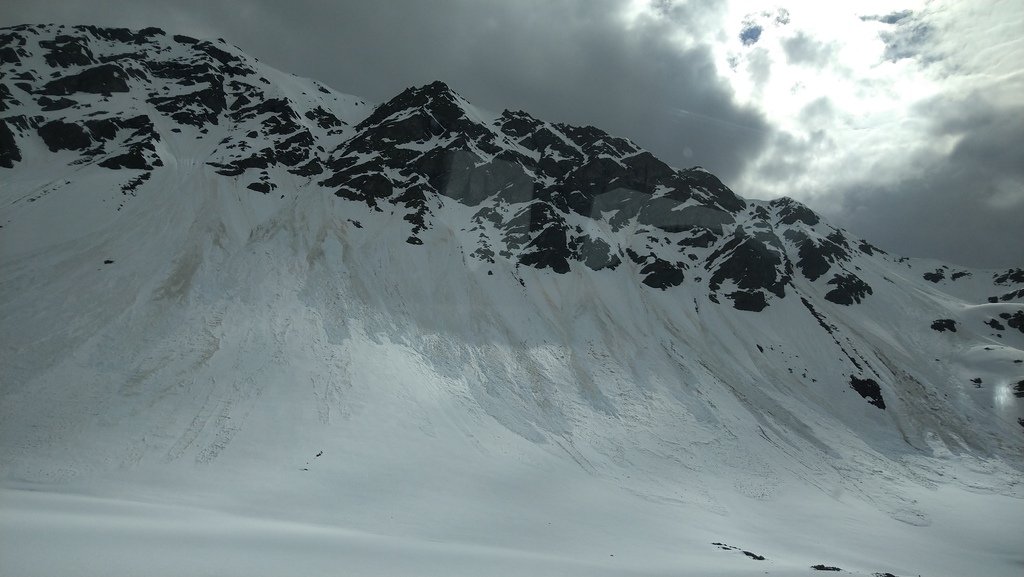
x: 437, y: 98
x: 520, y: 117
x: 438, y: 88
x: 792, y: 211
x: 519, y: 113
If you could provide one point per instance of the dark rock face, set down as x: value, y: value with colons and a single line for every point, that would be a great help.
x: 133, y: 160
x: 944, y: 325
x: 791, y: 212
x: 849, y: 289
x: 90, y: 136
x: 1018, y: 390
x: 700, y: 238
x: 264, y: 187
x: 1011, y: 276
x: 665, y: 216
x: 51, y: 104
x: 64, y: 51
x: 197, y: 108
x: 662, y: 274
x: 9, y: 152
x: 293, y: 145
x: 700, y: 179
x: 190, y: 88
x: 752, y: 265
x: 991, y: 322
x: 367, y: 188
x: 1009, y: 297
x: 6, y: 99
x: 750, y: 554
x: 597, y: 254
x: 543, y: 234
x: 129, y: 188
x: 60, y: 135
x: 868, y: 389
x: 1015, y: 320
x: 754, y: 556
x: 748, y: 300
x: 816, y: 256
x: 935, y: 276
x: 102, y: 79
x: 8, y: 55
x: 469, y: 179
x: 323, y: 118
x: 123, y: 35
x: 869, y: 249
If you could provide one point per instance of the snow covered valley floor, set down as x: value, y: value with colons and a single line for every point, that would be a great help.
x: 548, y: 521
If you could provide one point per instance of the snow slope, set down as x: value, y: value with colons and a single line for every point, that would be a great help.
x: 272, y: 329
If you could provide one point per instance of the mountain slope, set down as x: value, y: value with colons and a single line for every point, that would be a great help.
x: 228, y: 288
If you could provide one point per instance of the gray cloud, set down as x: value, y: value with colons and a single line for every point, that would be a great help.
x: 966, y: 206
x: 817, y: 112
x: 759, y: 66
x: 802, y: 49
x: 907, y: 36
x: 890, y: 18
x: 907, y: 40
x: 787, y: 154
x: 941, y: 179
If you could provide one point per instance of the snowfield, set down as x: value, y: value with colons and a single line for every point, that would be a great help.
x: 574, y: 526
x: 200, y: 378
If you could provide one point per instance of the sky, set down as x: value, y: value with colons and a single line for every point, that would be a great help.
x: 901, y: 120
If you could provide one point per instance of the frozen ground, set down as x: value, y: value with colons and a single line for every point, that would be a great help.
x: 537, y: 522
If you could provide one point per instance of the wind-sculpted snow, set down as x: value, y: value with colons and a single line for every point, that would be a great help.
x: 421, y: 327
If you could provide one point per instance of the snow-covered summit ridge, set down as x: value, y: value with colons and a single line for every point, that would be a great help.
x: 125, y: 99
x: 548, y: 195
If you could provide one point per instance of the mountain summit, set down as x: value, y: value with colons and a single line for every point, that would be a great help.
x: 483, y: 340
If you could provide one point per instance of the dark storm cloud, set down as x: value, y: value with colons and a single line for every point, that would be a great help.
x: 966, y: 207
x: 569, y: 61
x: 788, y: 154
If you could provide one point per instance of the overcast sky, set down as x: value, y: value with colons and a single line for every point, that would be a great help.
x: 902, y: 121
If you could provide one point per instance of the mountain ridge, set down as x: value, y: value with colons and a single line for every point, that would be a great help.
x: 209, y: 267
x: 534, y: 157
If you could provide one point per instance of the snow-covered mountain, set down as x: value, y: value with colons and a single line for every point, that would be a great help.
x: 303, y: 333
